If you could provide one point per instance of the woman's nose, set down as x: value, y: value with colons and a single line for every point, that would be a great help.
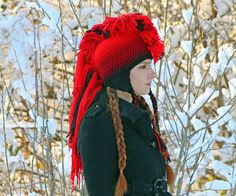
x: 152, y: 73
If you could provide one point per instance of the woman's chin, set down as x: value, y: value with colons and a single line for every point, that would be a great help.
x: 143, y: 91
x: 146, y: 92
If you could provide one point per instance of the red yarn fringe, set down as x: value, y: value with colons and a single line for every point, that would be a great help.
x: 84, y: 66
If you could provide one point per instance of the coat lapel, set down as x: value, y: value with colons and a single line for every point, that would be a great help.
x: 138, y: 117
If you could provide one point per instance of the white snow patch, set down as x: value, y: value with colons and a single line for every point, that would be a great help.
x: 197, y: 75
x: 52, y: 16
x: 187, y: 46
x: 204, y: 98
x: 223, y: 6
x: 232, y: 87
x: 201, y: 56
x: 187, y: 14
x: 232, y: 124
x: 187, y: 1
x: 226, y: 92
x: 218, y: 185
x: 197, y: 124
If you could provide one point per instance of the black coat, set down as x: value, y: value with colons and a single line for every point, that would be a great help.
x: 98, y: 149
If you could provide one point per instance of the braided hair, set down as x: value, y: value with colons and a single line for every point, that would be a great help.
x: 121, y: 186
x: 154, y: 117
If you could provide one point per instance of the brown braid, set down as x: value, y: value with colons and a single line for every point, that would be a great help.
x: 143, y: 104
x: 155, y: 110
x: 155, y: 121
x: 121, y: 186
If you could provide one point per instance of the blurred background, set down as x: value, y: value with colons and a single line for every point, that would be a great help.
x: 196, y: 90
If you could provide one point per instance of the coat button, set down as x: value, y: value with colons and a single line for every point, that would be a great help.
x: 153, y: 144
x: 150, y: 189
x: 97, y: 106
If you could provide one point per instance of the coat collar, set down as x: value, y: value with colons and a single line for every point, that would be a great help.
x: 137, y: 116
x: 127, y: 110
x: 130, y: 111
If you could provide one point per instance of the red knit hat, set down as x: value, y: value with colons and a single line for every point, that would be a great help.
x: 116, y: 56
x: 106, y: 55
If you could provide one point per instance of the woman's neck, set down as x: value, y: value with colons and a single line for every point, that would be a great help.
x: 124, y: 95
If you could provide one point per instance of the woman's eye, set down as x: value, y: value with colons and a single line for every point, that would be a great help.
x: 143, y: 66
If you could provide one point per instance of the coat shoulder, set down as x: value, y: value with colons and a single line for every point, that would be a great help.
x: 97, y: 111
x: 97, y: 121
x: 96, y: 126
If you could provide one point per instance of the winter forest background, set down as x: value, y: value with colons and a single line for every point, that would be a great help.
x: 196, y: 91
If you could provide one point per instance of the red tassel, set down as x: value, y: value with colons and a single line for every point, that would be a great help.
x: 84, y: 66
x: 121, y: 187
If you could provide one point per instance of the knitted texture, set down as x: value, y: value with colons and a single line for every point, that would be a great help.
x: 116, y: 56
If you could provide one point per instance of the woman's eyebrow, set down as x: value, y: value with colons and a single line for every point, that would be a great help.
x: 143, y: 63
x: 147, y: 61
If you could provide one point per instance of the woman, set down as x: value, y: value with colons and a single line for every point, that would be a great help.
x: 114, y: 136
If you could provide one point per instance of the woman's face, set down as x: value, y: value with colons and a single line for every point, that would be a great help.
x: 141, y: 77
